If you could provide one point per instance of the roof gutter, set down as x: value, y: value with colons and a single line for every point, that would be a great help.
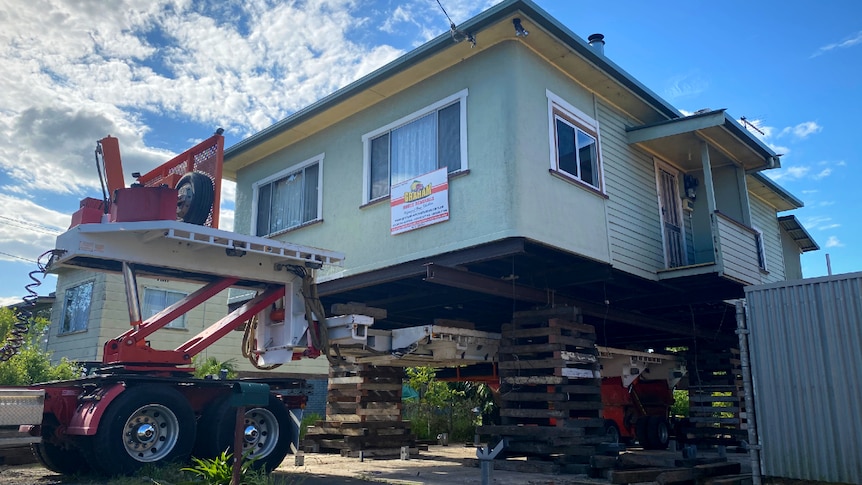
x: 444, y: 41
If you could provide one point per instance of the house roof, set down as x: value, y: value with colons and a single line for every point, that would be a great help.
x: 765, y: 188
x: 678, y: 139
x: 794, y: 228
x: 493, y: 26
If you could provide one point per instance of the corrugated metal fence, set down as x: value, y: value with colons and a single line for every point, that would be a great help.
x: 806, y: 360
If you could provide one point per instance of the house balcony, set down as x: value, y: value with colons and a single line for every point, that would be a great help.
x: 735, y: 254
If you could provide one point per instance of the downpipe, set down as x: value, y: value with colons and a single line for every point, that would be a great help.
x: 748, y: 389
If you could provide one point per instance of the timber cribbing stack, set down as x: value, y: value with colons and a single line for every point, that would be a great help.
x: 550, y: 390
x: 363, y: 413
x: 716, y: 399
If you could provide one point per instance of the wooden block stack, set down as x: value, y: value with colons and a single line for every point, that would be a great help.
x: 363, y: 413
x: 550, y: 389
x: 716, y: 399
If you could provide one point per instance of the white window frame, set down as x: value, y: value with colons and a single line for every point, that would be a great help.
x: 177, y: 323
x: 460, y: 96
x: 63, y: 329
x: 559, y: 108
x: 318, y: 159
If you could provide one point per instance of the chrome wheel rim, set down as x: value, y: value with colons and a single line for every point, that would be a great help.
x: 260, y: 433
x: 151, y: 433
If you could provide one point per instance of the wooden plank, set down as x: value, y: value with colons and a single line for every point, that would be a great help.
x: 569, y: 314
x: 533, y: 413
x: 579, y: 405
x: 534, y: 380
x: 635, y: 476
x: 515, y: 430
x: 359, y: 309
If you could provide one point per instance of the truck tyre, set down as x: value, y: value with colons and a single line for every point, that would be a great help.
x: 57, y: 455
x: 195, y: 197
x: 266, y: 432
x: 612, y: 432
x: 641, y: 432
x: 658, y: 432
x: 144, y: 424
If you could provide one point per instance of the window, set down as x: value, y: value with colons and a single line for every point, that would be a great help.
x: 156, y: 300
x: 427, y: 140
x: 761, y: 249
x: 574, y: 143
x: 288, y: 199
x: 76, y: 308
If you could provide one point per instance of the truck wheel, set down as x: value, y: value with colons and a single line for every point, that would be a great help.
x: 658, y: 432
x: 266, y: 432
x: 641, y: 432
x: 195, y: 198
x: 144, y: 424
x: 612, y: 432
x: 66, y: 461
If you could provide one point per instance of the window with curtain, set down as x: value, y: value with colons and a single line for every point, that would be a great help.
x: 575, y: 144
x: 423, y: 142
x: 76, y: 308
x: 156, y: 300
x: 288, y: 200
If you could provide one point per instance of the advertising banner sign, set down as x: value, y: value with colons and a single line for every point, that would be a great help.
x: 420, y: 201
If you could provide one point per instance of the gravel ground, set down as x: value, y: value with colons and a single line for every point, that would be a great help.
x: 441, y: 465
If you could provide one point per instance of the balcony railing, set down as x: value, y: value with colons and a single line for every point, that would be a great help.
x: 737, y: 253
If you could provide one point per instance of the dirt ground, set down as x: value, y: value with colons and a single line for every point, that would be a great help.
x: 440, y: 465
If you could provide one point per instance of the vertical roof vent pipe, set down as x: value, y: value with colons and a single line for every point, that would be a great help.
x: 597, y: 42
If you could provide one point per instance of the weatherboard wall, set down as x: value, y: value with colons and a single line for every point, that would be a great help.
x: 765, y: 219
x: 109, y: 317
x: 805, y: 341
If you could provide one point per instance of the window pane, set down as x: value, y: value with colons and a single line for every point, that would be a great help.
x: 157, y: 300
x: 566, y: 156
x: 287, y: 203
x: 449, y: 137
x: 264, y: 208
x: 379, y: 166
x: 587, y: 157
x: 309, y: 212
x: 414, y: 148
x: 77, y: 311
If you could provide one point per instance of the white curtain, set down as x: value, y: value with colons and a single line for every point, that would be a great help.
x: 286, y: 203
x: 414, y: 148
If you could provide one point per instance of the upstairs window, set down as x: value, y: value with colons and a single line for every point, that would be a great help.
x: 574, y: 143
x: 288, y: 199
x: 422, y: 142
x: 156, y: 300
x: 76, y: 308
x: 761, y: 249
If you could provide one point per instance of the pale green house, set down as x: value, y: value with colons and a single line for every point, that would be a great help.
x: 569, y: 183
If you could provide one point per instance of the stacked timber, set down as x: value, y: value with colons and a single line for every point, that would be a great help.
x: 550, y: 391
x: 716, y: 399
x: 363, y: 413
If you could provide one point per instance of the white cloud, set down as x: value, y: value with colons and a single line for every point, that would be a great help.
x: 27, y: 230
x: 685, y: 85
x: 802, y: 130
x: 823, y: 173
x: 819, y: 223
x: 833, y: 242
x: 849, y: 41
x: 792, y: 172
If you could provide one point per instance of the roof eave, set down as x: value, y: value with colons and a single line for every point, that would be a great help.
x: 440, y: 43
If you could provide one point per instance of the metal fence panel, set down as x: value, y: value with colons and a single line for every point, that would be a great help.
x: 806, y: 360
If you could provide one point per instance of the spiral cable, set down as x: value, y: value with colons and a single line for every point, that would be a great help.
x: 24, y: 316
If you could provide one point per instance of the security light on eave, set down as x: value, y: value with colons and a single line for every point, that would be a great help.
x: 520, y: 31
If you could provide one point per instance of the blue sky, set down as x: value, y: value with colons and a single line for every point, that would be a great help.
x: 162, y: 75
